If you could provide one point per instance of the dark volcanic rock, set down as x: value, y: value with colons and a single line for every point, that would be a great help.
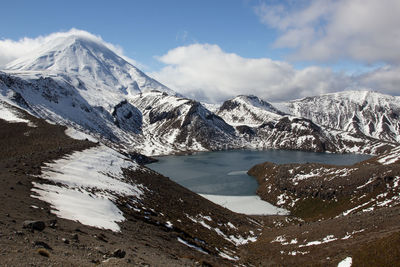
x: 243, y: 129
x: 140, y: 159
x: 34, y: 225
x: 42, y: 245
x: 119, y: 253
x: 128, y: 117
x: 205, y: 127
x: 228, y: 105
x: 165, y: 115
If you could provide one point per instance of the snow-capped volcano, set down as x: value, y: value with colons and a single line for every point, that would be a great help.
x: 90, y: 66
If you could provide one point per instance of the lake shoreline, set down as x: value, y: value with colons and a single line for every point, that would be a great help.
x: 224, y: 174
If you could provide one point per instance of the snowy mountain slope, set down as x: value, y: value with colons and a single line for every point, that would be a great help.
x: 173, y: 124
x: 370, y: 113
x: 54, y: 99
x: 302, y: 134
x: 211, y: 107
x: 127, y: 117
x: 248, y: 110
x: 78, y: 82
x: 101, y: 76
x: 262, y: 126
x: 155, y: 123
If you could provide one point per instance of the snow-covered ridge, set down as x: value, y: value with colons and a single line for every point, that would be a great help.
x: 248, y: 110
x: 155, y: 123
x: 172, y: 124
x: 87, y: 185
x: 79, y: 82
x: 370, y: 113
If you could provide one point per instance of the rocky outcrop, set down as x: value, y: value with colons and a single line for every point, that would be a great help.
x: 127, y: 117
x: 370, y: 184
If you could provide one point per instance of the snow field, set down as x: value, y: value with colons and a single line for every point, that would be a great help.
x: 88, y: 183
x: 249, y: 205
x: 347, y: 262
x: 78, y: 135
x: 10, y: 115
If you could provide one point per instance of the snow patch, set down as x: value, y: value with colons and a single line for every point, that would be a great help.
x: 88, y: 209
x: 326, y: 239
x: 186, y: 243
x: 226, y: 256
x: 231, y: 225
x: 249, y: 205
x: 169, y: 225
x: 7, y: 113
x: 78, y: 135
x: 390, y: 158
x: 347, y: 262
x: 89, y: 183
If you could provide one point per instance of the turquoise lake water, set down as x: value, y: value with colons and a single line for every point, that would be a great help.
x: 224, y: 172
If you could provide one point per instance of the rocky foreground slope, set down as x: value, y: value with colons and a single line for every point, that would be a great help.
x: 349, y: 210
x: 76, y: 213
x: 337, y: 212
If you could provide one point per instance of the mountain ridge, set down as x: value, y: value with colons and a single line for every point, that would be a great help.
x: 370, y: 113
x: 79, y: 82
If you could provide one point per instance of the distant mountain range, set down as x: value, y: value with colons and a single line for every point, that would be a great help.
x: 364, y: 112
x: 79, y: 82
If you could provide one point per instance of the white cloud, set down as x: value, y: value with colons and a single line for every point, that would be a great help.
x: 206, y: 72
x: 385, y: 79
x: 366, y: 31
x: 11, y: 49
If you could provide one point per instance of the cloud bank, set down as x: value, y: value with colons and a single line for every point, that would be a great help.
x: 325, y: 30
x: 366, y: 32
x: 206, y: 72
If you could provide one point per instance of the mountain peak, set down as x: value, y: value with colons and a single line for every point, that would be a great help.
x: 71, y: 54
x: 89, y: 64
x: 256, y: 102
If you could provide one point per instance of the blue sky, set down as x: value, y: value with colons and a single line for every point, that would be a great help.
x: 215, y: 49
x: 145, y: 29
